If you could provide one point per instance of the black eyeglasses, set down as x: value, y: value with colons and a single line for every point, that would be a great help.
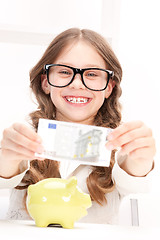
x: 95, y: 79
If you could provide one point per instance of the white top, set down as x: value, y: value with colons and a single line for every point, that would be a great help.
x: 106, y: 214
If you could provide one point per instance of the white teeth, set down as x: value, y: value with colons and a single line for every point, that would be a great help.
x: 77, y: 100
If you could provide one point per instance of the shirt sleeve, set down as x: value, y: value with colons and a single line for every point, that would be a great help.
x: 14, y: 181
x: 127, y: 184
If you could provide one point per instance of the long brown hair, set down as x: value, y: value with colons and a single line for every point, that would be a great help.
x: 99, y: 182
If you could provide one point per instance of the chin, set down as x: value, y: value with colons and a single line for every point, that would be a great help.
x: 77, y: 117
x: 82, y: 120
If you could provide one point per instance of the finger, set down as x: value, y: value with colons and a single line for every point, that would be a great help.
x: 131, y: 136
x: 27, y: 132
x: 21, y: 140
x: 137, y: 144
x: 15, y: 156
x: 17, y: 149
x: 124, y: 128
x: 142, y: 153
x: 12, y: 155
x: 13, y: 146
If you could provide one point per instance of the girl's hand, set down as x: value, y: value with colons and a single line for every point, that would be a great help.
x: 19, y: 143
x: 137, y: 143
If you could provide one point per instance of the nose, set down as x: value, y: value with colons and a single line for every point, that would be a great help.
x: 77, y: 82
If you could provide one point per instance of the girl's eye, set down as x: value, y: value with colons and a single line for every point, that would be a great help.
x: 64, y: 72
x: 91, y: 74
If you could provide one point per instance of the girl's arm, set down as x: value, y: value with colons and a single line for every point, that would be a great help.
x: 137, y: 145
x: 19, y: 144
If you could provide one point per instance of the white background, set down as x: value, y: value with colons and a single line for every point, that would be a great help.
x: 132, y: 27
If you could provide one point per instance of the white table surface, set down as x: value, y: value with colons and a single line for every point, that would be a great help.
x: 27, y: 230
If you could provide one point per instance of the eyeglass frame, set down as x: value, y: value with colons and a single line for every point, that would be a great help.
x: 78, y: 71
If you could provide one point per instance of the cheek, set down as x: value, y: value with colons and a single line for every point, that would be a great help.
x: 54, y: 94
x: 100, y: 98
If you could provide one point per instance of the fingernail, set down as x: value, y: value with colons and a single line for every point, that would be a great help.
x: 39, y: 140
x: 110, y: 146
x: 40, y: 149
x: 109, y: 137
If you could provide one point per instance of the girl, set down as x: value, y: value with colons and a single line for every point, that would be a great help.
x: 81, y: 84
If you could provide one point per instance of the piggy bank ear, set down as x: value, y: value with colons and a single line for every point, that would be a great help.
x: 72, y: 183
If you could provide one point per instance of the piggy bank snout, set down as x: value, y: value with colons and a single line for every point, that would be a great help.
x: 84, y: 199
x: 88, y: 202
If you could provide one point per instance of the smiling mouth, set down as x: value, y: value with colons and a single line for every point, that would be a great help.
x: 77, y: 100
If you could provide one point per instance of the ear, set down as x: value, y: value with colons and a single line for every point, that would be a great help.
x: 44, y: 83
x: 109, y: 89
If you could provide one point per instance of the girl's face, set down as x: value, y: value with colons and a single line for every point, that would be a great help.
x: 78, y: 55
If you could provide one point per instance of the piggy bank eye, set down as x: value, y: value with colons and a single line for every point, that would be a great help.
x: 66, y: 199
